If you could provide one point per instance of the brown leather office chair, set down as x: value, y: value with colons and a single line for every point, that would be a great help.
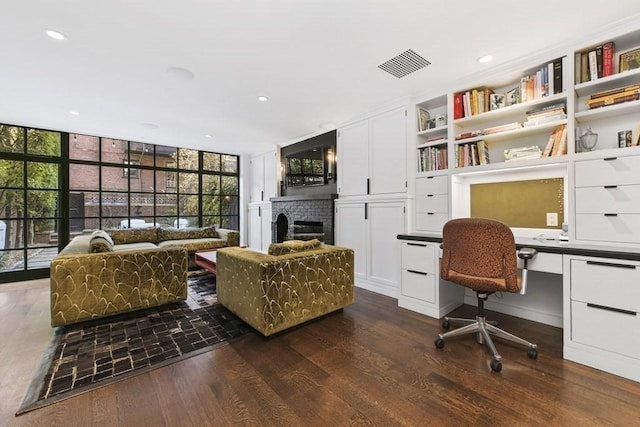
x: 481, y: 254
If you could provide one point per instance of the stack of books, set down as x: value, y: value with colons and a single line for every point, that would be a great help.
x: 472, y: 154
x: 614, y: 96
x: 550, y: 113
x: 502, y: 128
x: 469, y: 134
x: 432, y: 158
x: 522, y: 153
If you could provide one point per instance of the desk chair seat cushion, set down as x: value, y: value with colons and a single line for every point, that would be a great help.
x: 479, y: 254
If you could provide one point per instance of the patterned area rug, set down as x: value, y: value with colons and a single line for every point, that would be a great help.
x: 93, y: 354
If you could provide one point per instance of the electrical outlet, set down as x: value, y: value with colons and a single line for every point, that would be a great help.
x: 552, y: 219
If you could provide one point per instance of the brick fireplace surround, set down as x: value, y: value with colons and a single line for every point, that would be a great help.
x: 316, y: 209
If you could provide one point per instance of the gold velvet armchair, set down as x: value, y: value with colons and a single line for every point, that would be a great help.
x: 481, y: 254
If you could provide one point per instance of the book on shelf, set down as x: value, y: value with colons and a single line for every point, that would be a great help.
x: 458, y: 108
x: 557, y: 76
x: 608, y: 93
x: 584, y: 76
x: 593, y: 65
x: 469, y: 134
x: 502, y: 128
x: 613, y: 100
x: 607, y: 59
x: 472, y: 154
x: 560, y: 141
x: 544, y: 119
x: 556, y: 108
x: 436, y: 139
x: 432, y: 158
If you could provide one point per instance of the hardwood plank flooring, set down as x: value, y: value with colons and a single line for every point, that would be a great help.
x: 372, y: 364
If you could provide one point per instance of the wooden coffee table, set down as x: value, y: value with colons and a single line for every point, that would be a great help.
x: 207, y: 260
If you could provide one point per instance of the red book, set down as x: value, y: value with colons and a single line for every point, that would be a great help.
x: 458, y: 108
x: 607, y: 59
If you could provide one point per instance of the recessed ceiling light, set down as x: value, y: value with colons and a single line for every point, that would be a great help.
x: 263, y: 99
x: 485, y: 59
x: 74, y: 113
x: 208, y: 136
x: 55, y: 35
x: 178, y: 73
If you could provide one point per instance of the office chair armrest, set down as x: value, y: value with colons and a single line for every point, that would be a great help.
x: 525, y: 254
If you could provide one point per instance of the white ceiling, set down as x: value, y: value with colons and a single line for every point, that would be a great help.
x: 316, y: 60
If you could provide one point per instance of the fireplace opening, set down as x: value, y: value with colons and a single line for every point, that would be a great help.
x: 282, y: 228
x: 308, y: 230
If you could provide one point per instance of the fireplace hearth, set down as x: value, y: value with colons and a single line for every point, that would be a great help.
x: 303, y: 218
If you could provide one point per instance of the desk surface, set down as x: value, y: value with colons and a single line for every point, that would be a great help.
x: 548, y: 246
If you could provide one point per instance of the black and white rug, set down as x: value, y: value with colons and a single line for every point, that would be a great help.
x: 93, y: 354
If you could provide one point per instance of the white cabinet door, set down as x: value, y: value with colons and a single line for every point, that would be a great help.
x: 265, y: 223
x: 270, y: 176
x: 255, y: 228
x: 353, y: 159
x: 385, y: 220
x: 262, y: 178
x: 388, y: 153
x: 351, y: 232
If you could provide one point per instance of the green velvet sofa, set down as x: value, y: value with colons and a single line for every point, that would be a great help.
x: 292, y: 284
x: 103, y: 274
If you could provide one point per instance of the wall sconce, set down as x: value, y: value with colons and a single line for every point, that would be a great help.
x: 331, y: 162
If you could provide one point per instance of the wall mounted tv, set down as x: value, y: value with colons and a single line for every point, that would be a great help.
x: 311, y: 162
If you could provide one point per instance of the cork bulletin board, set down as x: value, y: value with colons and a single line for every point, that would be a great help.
x: 522, y: 204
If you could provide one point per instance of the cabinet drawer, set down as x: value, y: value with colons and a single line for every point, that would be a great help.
x: 614, y: 199
x: 432, y: 185
x: 421, y: 286
x: 545, y: 262
x: 614, y: 171
x: 622, y: 228
x: 437, y: 203
x: 419, y: 257
x: 610, y: 283
x: 608, y: 330
x: 431, y: 221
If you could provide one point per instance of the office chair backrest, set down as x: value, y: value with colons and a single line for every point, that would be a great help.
x: 481, y: 248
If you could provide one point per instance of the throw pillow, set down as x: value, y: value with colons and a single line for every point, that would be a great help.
x: 103, y: 234
x: 100, y: 244
x: 134, y: 235
x: 171, y: 233
x: 293, y: 246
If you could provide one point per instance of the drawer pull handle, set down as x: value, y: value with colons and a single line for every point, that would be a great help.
x: 610, y: 186
x: 417, y: 272
x: 610, y: 264
x: 430, y: 195
x: 608, y: 159
x: 417, y: 244
x: 430, y: 177
x: 610, y: 214
x: 617, y: 310
x: 430, y: 213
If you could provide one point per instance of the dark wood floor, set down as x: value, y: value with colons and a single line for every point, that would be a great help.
x: 372, y: 364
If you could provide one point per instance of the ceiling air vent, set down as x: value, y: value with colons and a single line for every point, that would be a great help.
x: 404, y: 64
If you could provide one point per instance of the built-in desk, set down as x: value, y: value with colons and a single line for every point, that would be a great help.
x: 591, y: 291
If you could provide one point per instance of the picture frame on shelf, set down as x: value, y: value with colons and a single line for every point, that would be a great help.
x: 513, y: 96
x: 629, y: 60
x: 423, y: 119
x: 497, y: 101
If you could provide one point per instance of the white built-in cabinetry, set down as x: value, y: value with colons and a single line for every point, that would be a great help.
x: 432, y: 202
x: 601, y: 320
x: 262, y: 187
x: 263, y: 177
x: 259, y: 226
x: 372, y: 155
x: 371, y: 230
x: 421, y: 290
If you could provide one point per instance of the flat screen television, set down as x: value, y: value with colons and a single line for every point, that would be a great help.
x: 306, y: 168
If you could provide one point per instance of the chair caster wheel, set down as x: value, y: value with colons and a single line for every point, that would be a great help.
x: 439, y: 343
x: 532, y: 353
x: 446, y: 324
x: 496, y: 365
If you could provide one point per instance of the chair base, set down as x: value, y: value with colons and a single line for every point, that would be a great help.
x: 484, y: 329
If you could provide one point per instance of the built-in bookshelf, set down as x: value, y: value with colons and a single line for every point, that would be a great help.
x: 607, y: 93
x: 433, y: 135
